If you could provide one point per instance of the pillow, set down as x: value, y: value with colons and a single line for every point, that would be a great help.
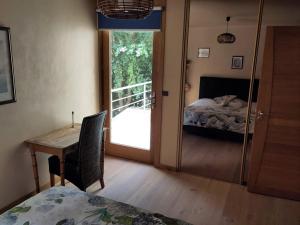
x: 237, y: 103
x: 204, y: 102
x: 224, y: 100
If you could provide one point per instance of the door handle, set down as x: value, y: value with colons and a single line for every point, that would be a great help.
x: 260, y: 115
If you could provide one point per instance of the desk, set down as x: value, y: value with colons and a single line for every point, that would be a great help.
x: 54, y: 143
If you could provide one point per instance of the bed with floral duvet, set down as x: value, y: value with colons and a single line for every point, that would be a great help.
x: 69, y: 206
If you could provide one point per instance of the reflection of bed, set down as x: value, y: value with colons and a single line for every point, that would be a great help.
x: 222, y: 118
x: 69, y: 206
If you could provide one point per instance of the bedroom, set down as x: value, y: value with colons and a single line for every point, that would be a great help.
x: 57, y: 52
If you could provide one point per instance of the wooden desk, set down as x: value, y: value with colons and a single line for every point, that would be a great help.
x: 55, y: 143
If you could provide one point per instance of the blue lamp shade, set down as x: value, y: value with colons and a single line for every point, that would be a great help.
x: 151, y: 22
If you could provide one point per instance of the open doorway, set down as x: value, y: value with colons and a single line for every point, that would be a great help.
x: 133, y: 61
x: 130, y: 92
x: 131, y: 88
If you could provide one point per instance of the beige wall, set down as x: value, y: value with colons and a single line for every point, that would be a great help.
x: 219, y: 61
x: 172, y: 79
x: 55, y: 52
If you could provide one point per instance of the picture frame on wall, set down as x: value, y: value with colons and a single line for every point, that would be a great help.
x: 237, y: 62
x: 203, y: 52
x: 7, y: 82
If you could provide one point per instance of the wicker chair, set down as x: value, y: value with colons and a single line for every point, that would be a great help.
x: 84, y: 162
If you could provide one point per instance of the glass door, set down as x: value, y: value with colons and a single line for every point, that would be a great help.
x: 130, y: 94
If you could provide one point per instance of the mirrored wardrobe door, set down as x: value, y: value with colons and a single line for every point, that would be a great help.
x: 220, y: 52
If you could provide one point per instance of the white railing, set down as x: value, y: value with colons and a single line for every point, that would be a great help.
x: 142, y: 94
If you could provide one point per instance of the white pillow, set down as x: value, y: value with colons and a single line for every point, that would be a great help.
x: 224, y: 100
x: 204, y: 102
x: 237, y: 103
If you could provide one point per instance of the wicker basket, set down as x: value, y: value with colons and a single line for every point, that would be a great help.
x: 125, y: 9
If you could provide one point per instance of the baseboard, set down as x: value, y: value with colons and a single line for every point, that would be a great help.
x: 25, y: 197
x: 165, y: 167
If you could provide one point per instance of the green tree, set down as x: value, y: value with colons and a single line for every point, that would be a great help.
x: 132, y: 55
x: 131, y: 58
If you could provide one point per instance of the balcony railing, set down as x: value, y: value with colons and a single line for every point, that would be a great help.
x: 136, y: 96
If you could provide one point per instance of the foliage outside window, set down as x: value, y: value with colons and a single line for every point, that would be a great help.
x: 132, y: 55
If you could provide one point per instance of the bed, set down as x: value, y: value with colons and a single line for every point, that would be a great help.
x: 70, y: 206
x: 220, y: 111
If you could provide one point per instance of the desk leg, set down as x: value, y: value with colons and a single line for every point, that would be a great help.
x: 62, y: 170
x: 35, y: 171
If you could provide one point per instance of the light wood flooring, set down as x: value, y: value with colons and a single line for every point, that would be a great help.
x: 198, y: 200
x: 212, y: 158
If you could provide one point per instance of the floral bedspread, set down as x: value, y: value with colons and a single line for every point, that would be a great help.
x: 69, y: 206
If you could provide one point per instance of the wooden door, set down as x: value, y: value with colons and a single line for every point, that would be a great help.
x: 275, y: 160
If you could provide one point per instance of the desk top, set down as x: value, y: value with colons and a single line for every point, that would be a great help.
x: 60, y: 139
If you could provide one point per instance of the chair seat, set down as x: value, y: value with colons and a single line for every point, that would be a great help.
x: 71, y: 167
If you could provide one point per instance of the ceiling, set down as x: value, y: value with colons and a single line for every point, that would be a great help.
x: 207, y: 13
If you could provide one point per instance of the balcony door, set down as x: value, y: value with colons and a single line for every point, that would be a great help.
x: 132, y: 86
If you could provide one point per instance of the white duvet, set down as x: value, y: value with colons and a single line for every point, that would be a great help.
x: 223, y: 113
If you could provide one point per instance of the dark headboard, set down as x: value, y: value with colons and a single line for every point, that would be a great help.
x: 211, y: 87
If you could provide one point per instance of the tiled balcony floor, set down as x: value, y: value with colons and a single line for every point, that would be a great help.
x: 132, y: 128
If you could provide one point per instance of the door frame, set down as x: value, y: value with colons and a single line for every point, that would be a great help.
x: 157, y: 85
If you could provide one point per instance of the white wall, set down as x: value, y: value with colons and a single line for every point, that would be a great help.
x: 55, y: 50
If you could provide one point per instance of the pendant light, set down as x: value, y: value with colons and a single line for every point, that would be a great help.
x: 226, y: 38
x: 125, y: 9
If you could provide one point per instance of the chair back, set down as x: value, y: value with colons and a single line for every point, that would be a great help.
x: 90, y: 144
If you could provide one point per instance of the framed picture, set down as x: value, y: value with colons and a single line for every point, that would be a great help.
x: 7, y: 84
x: 203, y: 52
x: 237, y: 62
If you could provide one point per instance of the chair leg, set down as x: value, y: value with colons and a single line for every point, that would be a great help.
x: 52, y: 179
x: 102, y: 182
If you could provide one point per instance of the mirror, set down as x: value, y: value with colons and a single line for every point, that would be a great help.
x: 221, y: 43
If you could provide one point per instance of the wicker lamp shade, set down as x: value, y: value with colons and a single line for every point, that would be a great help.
x: 125, y: 9
x: 226, y: 38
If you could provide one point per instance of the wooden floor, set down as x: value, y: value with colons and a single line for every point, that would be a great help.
x: 212, y: 158
x: 197, y: 200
